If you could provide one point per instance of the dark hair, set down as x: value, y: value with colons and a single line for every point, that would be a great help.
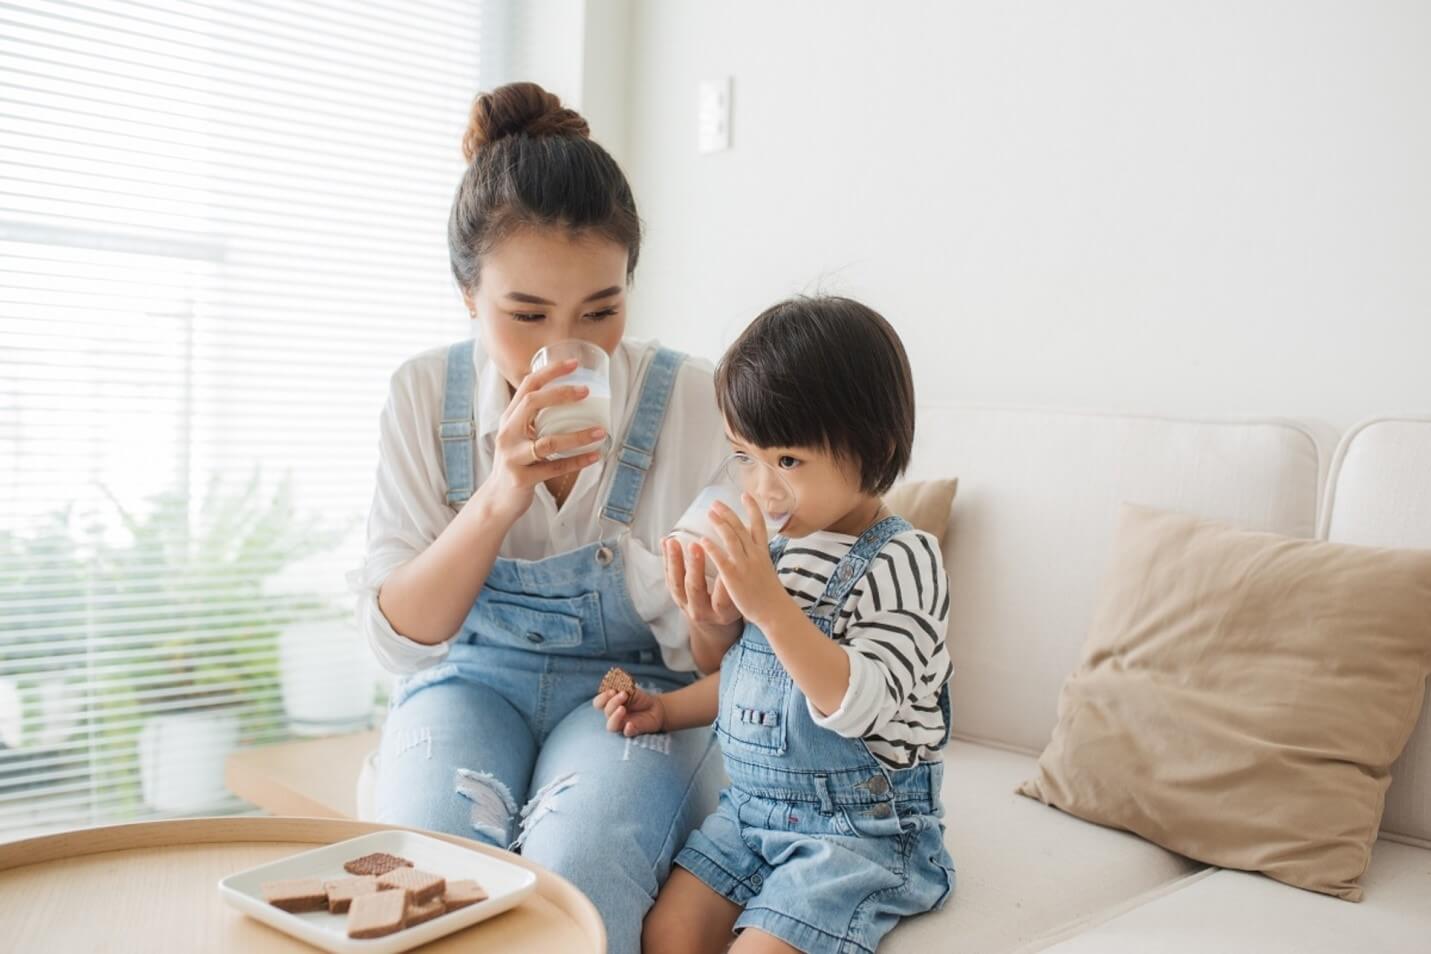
x: 530, y: 161
x: 823, y: 372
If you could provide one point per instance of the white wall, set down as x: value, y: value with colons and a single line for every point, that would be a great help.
x: 1188, y: 208
x: 578, y: 49
x: 541, y: 41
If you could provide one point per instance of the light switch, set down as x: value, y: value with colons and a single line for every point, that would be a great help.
x: 714, y: 121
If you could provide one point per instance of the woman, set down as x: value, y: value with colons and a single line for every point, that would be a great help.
x: 504, y: 580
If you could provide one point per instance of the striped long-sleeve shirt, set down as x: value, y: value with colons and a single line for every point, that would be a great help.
x: 892, y: 626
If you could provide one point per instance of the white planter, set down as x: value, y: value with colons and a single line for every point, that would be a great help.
x: 12, y: 714
x: 327, y: 678
x: 56, y: 707
x: 181, y: 760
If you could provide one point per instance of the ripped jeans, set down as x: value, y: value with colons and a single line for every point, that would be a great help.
x: 504, y: 746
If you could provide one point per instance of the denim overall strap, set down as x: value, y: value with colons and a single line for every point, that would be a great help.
x: 851, y: 567
x: 638, y: 447
x: 458, y: 429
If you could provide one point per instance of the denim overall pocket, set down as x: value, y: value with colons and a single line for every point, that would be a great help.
x: 570, y: 625
x: 755, y: 699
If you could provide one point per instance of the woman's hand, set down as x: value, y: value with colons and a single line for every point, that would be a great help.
x: 713, y: 618
x: 641, y: 714
x: 521, y: 462
x: 742, y: 557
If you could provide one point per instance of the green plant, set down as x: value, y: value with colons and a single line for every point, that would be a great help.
x: 174, y: 615
x: 44, y: 578
x: 199, y: 571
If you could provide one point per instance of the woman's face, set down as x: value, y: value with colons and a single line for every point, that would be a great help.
x: 541, y: 286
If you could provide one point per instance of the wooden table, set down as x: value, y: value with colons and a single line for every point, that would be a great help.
x: 152, y: 886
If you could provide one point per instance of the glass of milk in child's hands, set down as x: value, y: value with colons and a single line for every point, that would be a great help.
x: 593, y: 371
x: 737, y: 475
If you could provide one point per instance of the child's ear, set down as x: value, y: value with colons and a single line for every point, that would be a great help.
x: 470, y: 303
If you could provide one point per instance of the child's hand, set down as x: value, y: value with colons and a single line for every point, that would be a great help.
x: 642, y: 714
x: 686, y: 579
x: 742, y: 557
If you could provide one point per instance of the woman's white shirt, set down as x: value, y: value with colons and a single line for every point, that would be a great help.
x: 410, y: 506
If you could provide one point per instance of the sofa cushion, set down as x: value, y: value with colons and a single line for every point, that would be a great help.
x: 1023, y: 870
x: 1237, y: 911
x: 925, y: 504
x: 1379, y: 494
x: 1029, y: 539
x: 1242, y: 696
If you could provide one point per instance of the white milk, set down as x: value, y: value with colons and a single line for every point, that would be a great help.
x: 696, y: 523
x: 594, y: 410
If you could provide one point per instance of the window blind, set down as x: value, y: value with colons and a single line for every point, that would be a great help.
x: 222, y: 226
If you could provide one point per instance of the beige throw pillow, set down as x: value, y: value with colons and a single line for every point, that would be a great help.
x: 924, y: 503
x: 1242, y: 696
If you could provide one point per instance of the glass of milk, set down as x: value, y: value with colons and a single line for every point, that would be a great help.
x: 738, y: 474
x: 593, y: 371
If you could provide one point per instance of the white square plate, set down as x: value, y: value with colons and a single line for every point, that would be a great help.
x: 506, y: 885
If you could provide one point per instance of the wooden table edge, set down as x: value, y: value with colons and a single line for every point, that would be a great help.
x: 219, y: 830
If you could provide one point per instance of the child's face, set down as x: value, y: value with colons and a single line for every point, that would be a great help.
x: 827, y: 487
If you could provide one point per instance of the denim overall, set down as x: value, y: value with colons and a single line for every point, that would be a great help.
x: 500, y: 742
x: 823, y: 846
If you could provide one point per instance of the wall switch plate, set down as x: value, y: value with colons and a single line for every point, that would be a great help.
x: 714, y: 116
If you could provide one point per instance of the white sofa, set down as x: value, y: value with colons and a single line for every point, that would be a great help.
x: 1029, y: 537
x: 1030, y: 534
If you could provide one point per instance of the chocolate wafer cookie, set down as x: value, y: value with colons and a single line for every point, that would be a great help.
x: 377, y: 915
x: 417, y: 913
x: 421, y: 886
x: 296, y: 894
x: 617, y: 680
x: 460, y: 894
x: 378, y: 863
x: 342, y: 891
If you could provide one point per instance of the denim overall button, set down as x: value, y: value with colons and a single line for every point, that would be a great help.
x: 878, y: 785
x: 882, y: 810
x: 534, y: 637
x: 604, y: 556
x: 756, y: 881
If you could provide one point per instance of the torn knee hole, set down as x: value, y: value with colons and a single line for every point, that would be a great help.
x: 542, y: 804
x: 492, y: 806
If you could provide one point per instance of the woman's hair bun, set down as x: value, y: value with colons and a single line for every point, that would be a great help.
x: 519, y: 108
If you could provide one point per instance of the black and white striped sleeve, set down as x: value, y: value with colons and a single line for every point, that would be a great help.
x: 894, y: 639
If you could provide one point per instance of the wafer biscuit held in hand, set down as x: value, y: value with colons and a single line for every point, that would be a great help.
x: 617, y: 680
x: 377, y: 915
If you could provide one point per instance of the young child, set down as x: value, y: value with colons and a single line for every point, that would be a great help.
x: 831, y: 704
